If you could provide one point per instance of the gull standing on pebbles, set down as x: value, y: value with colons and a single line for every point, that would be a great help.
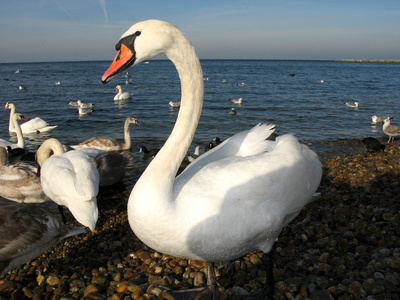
x: 390, y: 130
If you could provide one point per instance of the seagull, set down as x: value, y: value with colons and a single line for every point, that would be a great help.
x: 236, y: 101
x: 349, y: 104
x: 233, y: 111
x: 390, y: 130
x: 175, y: 104
x: 375, y: 119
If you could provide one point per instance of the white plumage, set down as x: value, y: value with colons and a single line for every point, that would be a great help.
x: 121, y: 95
x: 70, y: 179
x: 232, y: 200
x: 35, y: 125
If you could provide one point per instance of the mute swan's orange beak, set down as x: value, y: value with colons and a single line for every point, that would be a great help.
x: 122, y: 61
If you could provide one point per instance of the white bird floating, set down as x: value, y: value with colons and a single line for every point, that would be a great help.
x: 110, y: 144
x: 70, y: 179
x: 237, y: 101
x: 84, y: 111
x: 27, y: 230
x: 390, y: 130
x: 175, y: 104
x: 19, y: 182
x: 84, y: 105
x: 35, y: 125
x: 121, y: 95
x: 20, y: 138
x: 209, y: 213
x: 352, y: 104
x: 375, y: 119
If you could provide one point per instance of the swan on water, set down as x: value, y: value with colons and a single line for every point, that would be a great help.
x: 70, y: 179
x: 35, y: 125
x: 20, y: 138
x: 27, y: 230
x: 121, y: 95
x: 208, y: 212
x: 19, y: 182
x: 110, y: 144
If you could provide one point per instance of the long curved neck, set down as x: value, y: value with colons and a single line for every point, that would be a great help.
x: 10, y: 123
x: 18, y: 131
x: 48, y: 146
x: 127, y: 135
x: 162, y: 170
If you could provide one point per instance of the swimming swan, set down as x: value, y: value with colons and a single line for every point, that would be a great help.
x: 110, y: 144
x: 35, y: 125
x: 208, y: 212
x: 70, y: 179
x: 20, y: 138
x: 121, y: 95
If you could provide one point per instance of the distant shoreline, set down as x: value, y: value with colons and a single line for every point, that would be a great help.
x: 370, y: 60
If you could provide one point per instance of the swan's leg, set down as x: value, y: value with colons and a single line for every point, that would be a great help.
x: 269, y: 268
x: 208, y: 292
x: 61, y: 210
x: 269, y: 290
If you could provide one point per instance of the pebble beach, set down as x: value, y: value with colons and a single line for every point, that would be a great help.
x: 345, y: 244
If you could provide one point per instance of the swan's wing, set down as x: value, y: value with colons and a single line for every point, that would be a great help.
x: 103, y: 143
x: 245, y: 143
x: 20, y: 183
x: 274, y: 184
x: 28, y: 230
x: 33, y: 124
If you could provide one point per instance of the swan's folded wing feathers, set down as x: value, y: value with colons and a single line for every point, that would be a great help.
x: 245, y: 143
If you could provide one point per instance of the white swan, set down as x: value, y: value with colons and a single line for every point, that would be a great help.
x: 27, y: 230
x: 390, y: 130
x: 70, y: 179
x: 121, y: 95
x: 208, y: 212
x: 20, y: 138
x: 35, y: 125
x: 19, y: 182
x: 109, y: 144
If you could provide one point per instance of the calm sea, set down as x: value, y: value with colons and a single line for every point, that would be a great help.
x: 309, y: 104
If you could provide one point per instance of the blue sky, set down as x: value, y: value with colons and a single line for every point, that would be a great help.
x: 75, y: 30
